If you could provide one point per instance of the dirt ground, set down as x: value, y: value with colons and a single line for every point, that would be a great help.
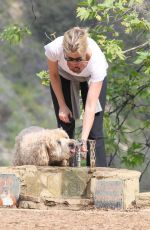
x: 22, y: 219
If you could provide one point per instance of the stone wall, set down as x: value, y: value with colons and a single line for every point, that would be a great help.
x: 47, y: 187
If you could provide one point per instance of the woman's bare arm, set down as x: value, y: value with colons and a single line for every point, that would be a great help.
x: 90, y: 108
x: 64, y: 111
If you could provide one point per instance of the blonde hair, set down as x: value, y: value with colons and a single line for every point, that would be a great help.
x: 75, y: 40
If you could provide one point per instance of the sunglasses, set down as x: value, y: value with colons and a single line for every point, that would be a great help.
x: 70, y: 59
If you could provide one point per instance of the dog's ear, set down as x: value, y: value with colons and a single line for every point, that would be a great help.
x: 65, y: 135
x: 62, y: 134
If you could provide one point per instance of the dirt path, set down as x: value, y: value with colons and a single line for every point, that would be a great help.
x: 19, y: 219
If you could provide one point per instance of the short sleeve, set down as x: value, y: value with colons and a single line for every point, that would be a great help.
x: 98, y: 64
x: 53, y: 49
x: 99, y: 69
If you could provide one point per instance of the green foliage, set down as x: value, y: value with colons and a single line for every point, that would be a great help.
x: 44, y: 77
x: 83, y: 13
x: 131, y: 22
x: 14, y: 33
x: 114, y: 50
x: 133, y: 158
x: 114, y: 24
x: 144, y: 59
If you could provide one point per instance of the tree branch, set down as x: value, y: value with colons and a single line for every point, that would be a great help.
x: 137, y: 47
x: 113, y: 156
x: 130, y: 98
x: 133, y: 131
x: 117, y: 20
x: 33, y: 9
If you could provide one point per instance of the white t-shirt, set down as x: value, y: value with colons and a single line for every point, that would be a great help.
x: 96, y: 68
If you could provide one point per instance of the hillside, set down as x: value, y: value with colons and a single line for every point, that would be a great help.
x: 23, y: 100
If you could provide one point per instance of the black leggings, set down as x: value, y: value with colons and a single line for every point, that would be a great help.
x: 96, y: 132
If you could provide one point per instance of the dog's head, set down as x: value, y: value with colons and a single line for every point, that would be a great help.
x: 61, y: 148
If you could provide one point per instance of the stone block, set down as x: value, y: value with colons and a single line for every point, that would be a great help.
x: 130, y: 191
x: 143, y: 200
x: 75, y: 182
x: 54, y: 184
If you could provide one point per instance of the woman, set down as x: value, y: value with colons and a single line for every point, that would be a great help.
x: 76, y: 63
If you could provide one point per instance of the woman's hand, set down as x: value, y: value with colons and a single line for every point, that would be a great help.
x: 65, y: 114
x: 84, y: 148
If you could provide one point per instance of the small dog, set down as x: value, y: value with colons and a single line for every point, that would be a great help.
x: 43, y: 147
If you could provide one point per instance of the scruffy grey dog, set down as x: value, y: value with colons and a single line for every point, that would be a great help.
x: 41, y: 147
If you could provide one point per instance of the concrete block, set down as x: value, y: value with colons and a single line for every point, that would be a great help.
x: 115, y: 188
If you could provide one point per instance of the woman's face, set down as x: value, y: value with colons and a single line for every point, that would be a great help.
x: 76, y: 62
